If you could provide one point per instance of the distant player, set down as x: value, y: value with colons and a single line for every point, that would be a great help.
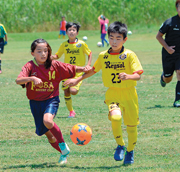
x: 104, y: 25
x: 3, y: 34
x: 62, y: 28
x: 120, y: 71
x: 74, y: 51
x: 171, y: 51
x: 41, y: 77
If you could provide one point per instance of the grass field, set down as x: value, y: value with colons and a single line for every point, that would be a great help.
x: 157, y: 148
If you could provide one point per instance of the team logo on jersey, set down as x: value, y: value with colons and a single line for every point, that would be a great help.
x: 78, y: 45
x: 175, y: 28
x: 69, y: 51
x: 123, y: 56
x: 105, y: 57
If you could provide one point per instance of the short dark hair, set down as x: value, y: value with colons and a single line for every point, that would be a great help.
x: 177, y: 2
x: 34, y: 45
x: 118, y: 27
x: 70, y: 24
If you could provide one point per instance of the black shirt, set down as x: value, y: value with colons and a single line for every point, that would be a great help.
x: 171, y: 29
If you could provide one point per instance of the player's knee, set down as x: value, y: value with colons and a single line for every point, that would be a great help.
x: 73, y: 91
x: 167, y: 80
x: 116, y: 117
x: 48, y: 122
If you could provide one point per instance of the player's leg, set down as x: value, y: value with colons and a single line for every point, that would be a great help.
x: 64, y: 34
x: 106, y: 40
x: 52, y: 140
x: 115, y: 117
x: 59, y: 34
x: 177, y: 90
x: 102, y: 39
x: 116, y: 120
x: 168, y: 68
x: 1, y: 51
x: 131, y: 120
x: 0, y: 63
x: 68, y: 101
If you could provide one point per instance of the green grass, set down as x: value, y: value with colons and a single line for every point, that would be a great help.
x: 157, y: 148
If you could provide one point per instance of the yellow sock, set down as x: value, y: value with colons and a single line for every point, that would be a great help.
x: 68, y: 101
x: 63, y: 36
x: 116, y: 121
x: 59, y: 36
x: 132, y: 137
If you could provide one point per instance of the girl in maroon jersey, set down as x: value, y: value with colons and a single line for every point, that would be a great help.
x: 41, y: 77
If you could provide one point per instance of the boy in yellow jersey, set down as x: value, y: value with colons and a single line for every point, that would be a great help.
x: 120, y: 71
x: 74, y: 51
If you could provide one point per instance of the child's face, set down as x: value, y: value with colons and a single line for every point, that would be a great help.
x: 116, y: 41
x: 40, y: 53
x: 72, y: 33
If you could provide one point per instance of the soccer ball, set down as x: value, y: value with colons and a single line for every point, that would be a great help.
x: 84, y: 38
x: 129, y: 33
x: 99, y: 44
x: 81, y: 134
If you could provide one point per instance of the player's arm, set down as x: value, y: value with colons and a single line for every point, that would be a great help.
x: 6, y: 39
x: 88, y: 66
x: 124, y: 76
x: 73, y: 82
x: 169, y: 49
x: 24, y: 80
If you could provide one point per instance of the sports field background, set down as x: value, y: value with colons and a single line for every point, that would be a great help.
x: 157, y: 148
x: 45, y: 15
x: 21, y: 149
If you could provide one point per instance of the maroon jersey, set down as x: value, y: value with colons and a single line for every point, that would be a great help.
x: 50, y: 77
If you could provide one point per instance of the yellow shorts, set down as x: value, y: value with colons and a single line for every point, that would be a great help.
x: 76, y: 86
x: 125, y: 100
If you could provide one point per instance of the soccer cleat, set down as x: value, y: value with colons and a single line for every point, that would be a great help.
x: 119, y: 154
x: 72, y: 114
x: 176, y: 103
x: 129, y: 158
x: 163, y: 84
x: 0, y: 71
x: 62, y: 159
x: 64, y: 148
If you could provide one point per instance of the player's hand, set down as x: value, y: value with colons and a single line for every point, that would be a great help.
x: 5, y: 43
x: 171, y: 49
x: 70, y: 82
x: 123, y: 76
x: 37, y: 81
x: 54, y: 57
x: 87, y: 69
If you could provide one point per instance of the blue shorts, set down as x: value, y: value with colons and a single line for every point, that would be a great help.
x: 39, y: 108
x: 62, y: 32
x: 1, y: 45
x: 103, y: 35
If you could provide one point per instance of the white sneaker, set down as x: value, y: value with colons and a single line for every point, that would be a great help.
x: 63, y: 159
x: 64, y: 148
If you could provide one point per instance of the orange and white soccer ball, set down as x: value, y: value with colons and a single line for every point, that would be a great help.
x: 81, y: 134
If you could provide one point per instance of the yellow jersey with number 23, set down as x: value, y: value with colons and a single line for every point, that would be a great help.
x: 114, y: 63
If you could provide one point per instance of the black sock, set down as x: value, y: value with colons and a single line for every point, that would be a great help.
x: 0, y: 64
x: 177, y: 91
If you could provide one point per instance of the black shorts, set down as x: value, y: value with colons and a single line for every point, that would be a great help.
x: 170, y: 63
x: 1, y: 45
